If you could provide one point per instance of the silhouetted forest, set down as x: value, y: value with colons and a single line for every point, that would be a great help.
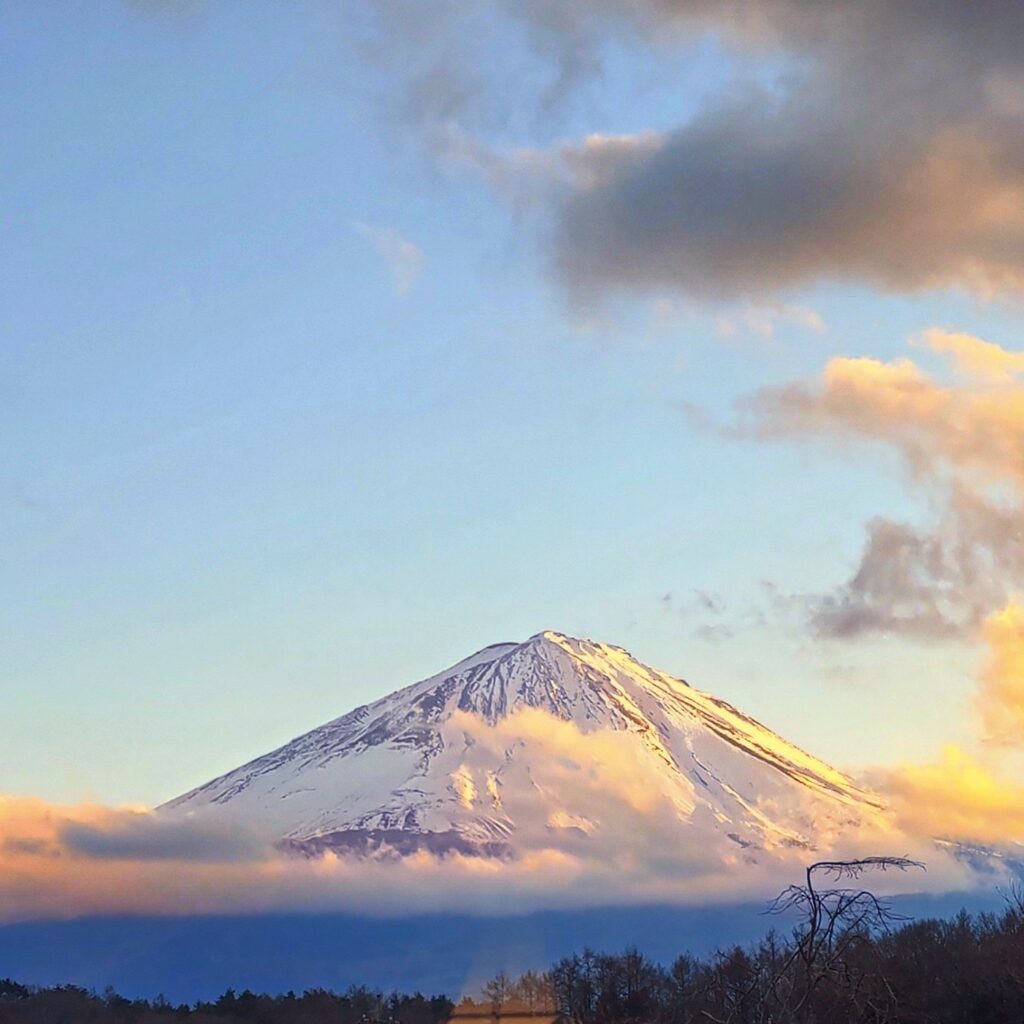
x: 69, y: 1004
x: 848, y: 961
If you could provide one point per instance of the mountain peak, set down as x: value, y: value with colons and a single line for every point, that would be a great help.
x: 439, y: 764
x: 565, y: 640
x: 550, y: 634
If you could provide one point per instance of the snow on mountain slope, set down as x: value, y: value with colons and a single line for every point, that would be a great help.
x: 538, y: 742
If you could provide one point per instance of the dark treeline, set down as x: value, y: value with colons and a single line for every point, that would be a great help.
x: 969, y: 970
x: 69, y: 1004
x: 846, y: 962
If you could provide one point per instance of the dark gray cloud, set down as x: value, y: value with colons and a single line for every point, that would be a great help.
x: 749, y: 202
x: 892, y: 154
x: 28, y: 846
x: 929, y: 584
x: 889, y: 150
x: 146, y: 837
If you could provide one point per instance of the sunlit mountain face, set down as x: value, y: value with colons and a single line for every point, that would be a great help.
x: 554, y: 743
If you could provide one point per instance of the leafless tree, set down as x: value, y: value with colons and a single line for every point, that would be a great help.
x: 833, y: 920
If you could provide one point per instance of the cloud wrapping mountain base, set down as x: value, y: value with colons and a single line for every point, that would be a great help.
x: 48, y: 870
x: 551, y: 774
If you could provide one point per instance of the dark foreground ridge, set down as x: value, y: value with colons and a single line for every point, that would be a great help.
x: 965, y: 970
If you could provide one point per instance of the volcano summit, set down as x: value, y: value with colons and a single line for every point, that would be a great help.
x: 541, y: 742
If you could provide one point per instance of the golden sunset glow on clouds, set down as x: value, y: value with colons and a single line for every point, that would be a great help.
x: 961, y: 441
x: 624, y: 836
x: 958, y: 797
x: 1001, y: 691
x: 975, y: 797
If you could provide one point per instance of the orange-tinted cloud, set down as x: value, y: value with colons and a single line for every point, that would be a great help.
x: 620, y: 835
x: 1000, y: 695
x: 961, y: 442
x: 46, y: 870
x: 957, y: 797
x: 970, y: 427
x: 960, y: 796
x: 975, y: 357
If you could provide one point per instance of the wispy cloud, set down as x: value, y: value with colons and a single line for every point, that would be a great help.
x: 404, y: 259
x: 762, y: 319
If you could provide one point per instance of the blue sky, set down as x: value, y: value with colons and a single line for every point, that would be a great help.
x: 247, y: 483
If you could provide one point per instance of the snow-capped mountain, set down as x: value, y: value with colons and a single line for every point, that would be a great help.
x: 536, y: 738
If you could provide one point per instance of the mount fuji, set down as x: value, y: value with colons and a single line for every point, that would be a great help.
x: 536, y: 742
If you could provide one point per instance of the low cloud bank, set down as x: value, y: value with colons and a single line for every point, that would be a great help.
x: 620, y: 836
x: 43, y: 875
